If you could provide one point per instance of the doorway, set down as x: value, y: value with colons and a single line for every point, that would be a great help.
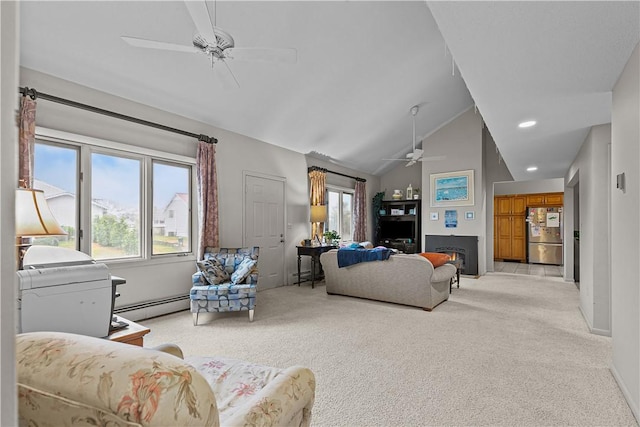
x: 264, y: 226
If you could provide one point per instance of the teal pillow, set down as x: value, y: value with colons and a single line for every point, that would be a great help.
x: 213, y: 271
x: 243, y: 270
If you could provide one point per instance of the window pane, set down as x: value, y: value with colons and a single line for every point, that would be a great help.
x: 346, y: 216
x: 56, y: 173
x: 171, y: 209
x: 115, y: 207
x: 333, y: 211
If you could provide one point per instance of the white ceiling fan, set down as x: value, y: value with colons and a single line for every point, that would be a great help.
x: 215, y: 42
x: 416, y: 154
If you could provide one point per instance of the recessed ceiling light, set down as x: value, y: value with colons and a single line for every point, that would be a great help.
x: 532, y: 168
x: 527, y: 124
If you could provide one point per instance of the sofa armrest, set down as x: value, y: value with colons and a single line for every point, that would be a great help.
x: 171, y: 349
x: 68, y: 379
x: 443, y: 272
x: 285, y: 401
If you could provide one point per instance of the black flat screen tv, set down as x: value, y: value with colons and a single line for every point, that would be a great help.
x: 397, y: 229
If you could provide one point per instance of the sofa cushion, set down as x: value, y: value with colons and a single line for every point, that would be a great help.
x: 242, y: 270
x: 436, y: 258
x: 213, y: 271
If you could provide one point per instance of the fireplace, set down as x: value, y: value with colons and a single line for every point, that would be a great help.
x: 464, y: 248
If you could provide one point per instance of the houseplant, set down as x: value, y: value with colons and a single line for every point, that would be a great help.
x: 332, y: 237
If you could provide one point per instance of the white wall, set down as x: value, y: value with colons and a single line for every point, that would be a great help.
x: 625, y: 232
x: 591, y: 169
x: 495, y: 171
x: 400, y: 177
x: 9, y: 52
x: 552, y: 185
x: 461, y: 142
x: 235, y: 153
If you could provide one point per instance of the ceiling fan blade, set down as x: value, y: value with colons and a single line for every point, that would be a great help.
x: 231, y: 72
x: 432, y: 158
x: 411, y: 163
x: 286, y: 55
x: 154, y: 44
x: 200, y: 15
x: 398, y: 160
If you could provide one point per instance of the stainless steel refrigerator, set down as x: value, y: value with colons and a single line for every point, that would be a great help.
x: 544, y: 235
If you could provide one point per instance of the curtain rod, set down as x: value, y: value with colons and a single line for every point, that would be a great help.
x: 317, y: 168
x: 31, y: 92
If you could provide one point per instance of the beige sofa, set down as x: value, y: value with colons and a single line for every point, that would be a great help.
x: 67, y: 380
x: 407, y: 279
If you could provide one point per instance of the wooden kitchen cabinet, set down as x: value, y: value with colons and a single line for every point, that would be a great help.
x: 545, y: 199
x: 510, y: 205
x: 511, y: 238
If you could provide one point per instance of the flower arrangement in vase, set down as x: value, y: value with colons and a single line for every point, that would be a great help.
x: 332, y: 237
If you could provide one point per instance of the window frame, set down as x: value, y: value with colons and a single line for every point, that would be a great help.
x: 341, y: 191
x: 78, y: 183
x: 88, y: 145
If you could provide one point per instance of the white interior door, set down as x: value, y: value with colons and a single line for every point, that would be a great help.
x: 264, y: 227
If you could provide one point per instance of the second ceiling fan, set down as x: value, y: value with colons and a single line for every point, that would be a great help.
x: 416, y: 154
x: 215, y: 42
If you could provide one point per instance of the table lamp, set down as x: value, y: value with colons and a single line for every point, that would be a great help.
x: 33, y: 219
x: 318, y: 215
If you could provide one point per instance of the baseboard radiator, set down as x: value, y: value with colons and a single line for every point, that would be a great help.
x: 153, y: 308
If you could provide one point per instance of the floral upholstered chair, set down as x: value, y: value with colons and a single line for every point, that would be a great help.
x: 75, y: 380
x: 226, y: 280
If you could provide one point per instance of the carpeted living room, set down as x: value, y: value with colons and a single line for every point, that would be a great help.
x: 505, y: 349
x: 202, y: 176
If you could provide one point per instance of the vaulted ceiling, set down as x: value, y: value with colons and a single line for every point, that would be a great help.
x: 361, y: 66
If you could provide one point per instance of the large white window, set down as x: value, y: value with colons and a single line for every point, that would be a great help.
x: 117, y: 202
x: 340, y: 211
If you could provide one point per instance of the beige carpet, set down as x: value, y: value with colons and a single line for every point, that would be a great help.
x: 504, y: 350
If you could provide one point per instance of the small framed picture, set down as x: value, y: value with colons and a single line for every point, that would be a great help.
x: 470, y: 215
x: 434, y: 216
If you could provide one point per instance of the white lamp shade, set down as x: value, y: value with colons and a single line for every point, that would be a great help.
x: 33, y: 217
x: 318, y: 213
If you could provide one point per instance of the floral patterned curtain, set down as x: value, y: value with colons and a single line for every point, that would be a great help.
x: 26, y: 138
x: 360, y: 212
x: 317, y: 184
x: 207, y: 196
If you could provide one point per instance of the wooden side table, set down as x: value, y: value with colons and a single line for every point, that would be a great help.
x: 132, y: 334
x: 314, y: 252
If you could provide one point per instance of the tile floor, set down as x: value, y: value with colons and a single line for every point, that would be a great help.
x: 528, y: 269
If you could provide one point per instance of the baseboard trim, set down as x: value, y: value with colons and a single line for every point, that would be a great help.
x: 625, y: 392
x: 586, y: 320
x: 603, y: 332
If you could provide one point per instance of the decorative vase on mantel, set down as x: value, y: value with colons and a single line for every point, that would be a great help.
x: 397, y: 195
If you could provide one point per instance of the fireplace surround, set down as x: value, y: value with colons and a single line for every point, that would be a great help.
x: 458, y: 247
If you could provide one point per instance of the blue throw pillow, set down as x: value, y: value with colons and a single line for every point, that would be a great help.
x: 243, y: 270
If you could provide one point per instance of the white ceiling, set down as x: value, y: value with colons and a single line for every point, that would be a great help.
x: 361, y: 66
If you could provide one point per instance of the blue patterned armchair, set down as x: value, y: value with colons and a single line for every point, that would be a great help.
x: 226, y: 280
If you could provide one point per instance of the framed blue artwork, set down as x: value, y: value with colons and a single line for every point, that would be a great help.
x: 452, y: 189
x: 451, y: 218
